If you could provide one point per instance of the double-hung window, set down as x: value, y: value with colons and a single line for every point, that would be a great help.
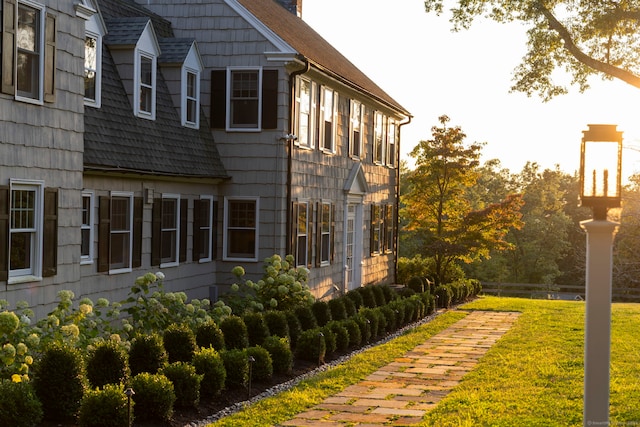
x: 388, y: 228
x: 121, y: 232
x: 391, y: 143
x: 86, y: 228
x: 325, y: 232
x: 379, y: 137
x: 302, y: 220
x: 30, y: 55
x: 355, y: 129
x: 328, y: 110
x: 377, y: 230
x: 94, y: 30
x: 145, y: 93
x: 191, y: 98
x: 170, y: 238
x: 203, y: 229
x: 306, y: 108
x: 241, y: 228
x: 245, y: 108
x: 25, y: 231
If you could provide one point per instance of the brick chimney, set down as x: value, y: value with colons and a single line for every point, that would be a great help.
x: 293, y: 6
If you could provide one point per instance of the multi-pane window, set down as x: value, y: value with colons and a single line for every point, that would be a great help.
x: 121, y: 236
x: 169, y: 223
x: 241, y: 229
x: 306, y: 108
x: 29, y: 51
x: 325, y: 233
x: 25, y: 230
x: 191, y: 104
x: 355, y: 129
x: 203, y: 228
x: 244, y: 99
x: 91, y: 71
x: 379, y: 134
x: 146, y: 85
x: 328, y: 104
x: 301, y: 212
x: 388, y: 226
x: 391, y: 143
x: 86, y: 228
x: 377, y: 229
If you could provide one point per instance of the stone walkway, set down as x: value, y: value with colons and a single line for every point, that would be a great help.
x: 402, y: 392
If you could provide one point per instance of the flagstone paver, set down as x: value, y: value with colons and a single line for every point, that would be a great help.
x: 402, y: 392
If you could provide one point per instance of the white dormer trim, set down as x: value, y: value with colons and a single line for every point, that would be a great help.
x: 147, y: 48
x: 280, y: 45
x: 192, y: 65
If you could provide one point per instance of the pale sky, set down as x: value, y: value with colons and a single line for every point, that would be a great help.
x: 431, y: 71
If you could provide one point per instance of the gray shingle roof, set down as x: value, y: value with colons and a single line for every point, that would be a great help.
x: 174, y: 51
x: 117, y: 140
x: 125, y: 31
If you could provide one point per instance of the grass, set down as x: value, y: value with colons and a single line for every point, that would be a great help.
x: 533, y: 376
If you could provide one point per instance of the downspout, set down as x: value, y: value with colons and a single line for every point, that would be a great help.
x: 397, y: 210
x: 292, y: 103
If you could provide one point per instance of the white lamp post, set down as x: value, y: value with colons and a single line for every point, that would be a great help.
x: 600, y: 189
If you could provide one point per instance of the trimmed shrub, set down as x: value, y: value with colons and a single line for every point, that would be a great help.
x: 262, y: 366
x: 107, y: 363
x: 312, y: 346
x: 398, y: 307
x: 409, y: 310
x: 349, y: 306
x: 208, y: 334
x: 382, y: 321
x: 281, y: 354
x: 60, y: 382
x: 321, y: 312
x: 444, y: 296
x: 19, y: 405
x: 330, y: 340
x: 365, y: 327
x: 180, y: 343
x: 305, y: 316
x: 186, y: 383
x: 277, y: 323
x: 368, y: 297
x: 235, y: 332
x: 147, y: 354
x: 337, y: 309
x: 374, y: 321
x: 257, y: 329
x: 294, y: 326
x: 416, y: 284
x: 236, y: 365
x: 355, y: 296
x: 355, y: 336
x: 106, y: 407
x: 389, y: 294
x: 154, y: 397
x: 390, y: 318
x: 378, y: 295
x: 209, y: 364
x: 341, y: 333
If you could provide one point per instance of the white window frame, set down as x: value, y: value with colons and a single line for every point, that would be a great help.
x: 379, y: 138
x: 139, y: 85
x: 391, y: 143
x: 34, y: 272
x: 186, y: 98
x: 377, y: 226
x: 323, y: 232
x: 227, y: 228
x: 87, y: 227
x: 328, y: 114
x: 97, y: 100
x: 175, y: 229
x: 128, y: 268
x: 231, y: 127
x: 209, y: 228
x: 356, y: 124
x: 38, y: 99
x: 305, y: 235
x: 306, y: 108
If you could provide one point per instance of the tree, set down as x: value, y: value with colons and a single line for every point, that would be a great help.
x: 626, y: 269
x: 583, y: 38
x: 436, y: 208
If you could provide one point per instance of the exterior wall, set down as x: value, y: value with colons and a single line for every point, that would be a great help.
x: 45, y: 142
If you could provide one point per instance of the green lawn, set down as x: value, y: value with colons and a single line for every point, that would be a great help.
x: 533, y: 376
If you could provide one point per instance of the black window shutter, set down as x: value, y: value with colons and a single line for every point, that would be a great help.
x: 371, y: 230
x: 4, y: 232
x: 8, y: 46
x: 197, y: 236
x: 309, y: 207
x: 104, y: 233
x: 214, y: 226
x: 333, y: 231
x: 270, y: 99
x: 219, y: 99
x: 50, y: 58
x: 50, y: 233
x: 294, y: 230
x: 319, y: 220
x: 138, y: 208
x: 156, y: 231
x: 183, y: 229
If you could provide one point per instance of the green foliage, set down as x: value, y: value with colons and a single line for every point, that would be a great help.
x: 349, y: 305
x: 276, y: 321
x: 416, y: 284
x: 378, y: 294
x: 356, y: 297
x: 337, y: 308
x: 236, y: 364
x: 154, y: 397
x: 388, y: 293
x: 311, y: 346
x: 209, y: 334
x: 257, y: 328
x: 444, y: 296
x: 106, y: 407
x: 186, y: 383
x: 180, y: 343
x: 147, y: 354
x: 321, y: 312
x: 355, y: 336
x: 19, y: 406
x: 281, y: 354
x: 17, y: 342
x: 390, y: 317
x: 330, y: 340
x: 341, y: 334
x: 365, y: 327
x: 368, y: 297
x: 294, y: 326
x: 374, y: 321
x: 398, y: 307
x: 209, y: 364
x: 417, y: 266
x: 305, y: 316
x: 60, y: 382
x: 262, y: 365
x: 107, y: 363
x: 282, y: 286
x: 235, y: 332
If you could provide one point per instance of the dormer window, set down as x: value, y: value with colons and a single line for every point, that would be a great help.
x: 146, y: 85
x: 94, y: 31
x: 191, y: 98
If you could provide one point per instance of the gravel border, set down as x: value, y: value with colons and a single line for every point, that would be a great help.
x: 230, y: 410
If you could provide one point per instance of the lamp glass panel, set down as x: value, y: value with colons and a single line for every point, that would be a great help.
x: 600, y: 169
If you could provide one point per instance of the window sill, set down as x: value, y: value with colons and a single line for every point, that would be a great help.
x: 120, y: 271
x: 24, y: 279
x: 169, y: 264
x: 227, y: 258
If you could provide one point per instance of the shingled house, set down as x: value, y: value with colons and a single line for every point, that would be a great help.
x: 190, y: 139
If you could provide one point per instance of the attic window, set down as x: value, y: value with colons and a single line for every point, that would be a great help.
x: 190, y: 98
x: 145, y: 92
x: 92, y: 69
